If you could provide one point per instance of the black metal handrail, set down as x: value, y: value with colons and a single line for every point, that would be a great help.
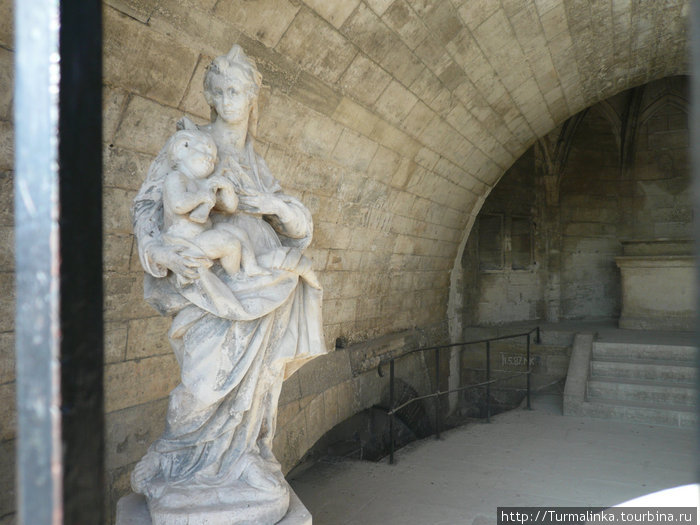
x: 391, y: 413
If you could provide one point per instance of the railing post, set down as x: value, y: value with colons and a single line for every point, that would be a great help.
x: 58, y: 261
x: 538, y: 339
x: 437, y: 393
x: 39, y: 459
x: 488, y: 381
x: 391, y: 412
x: 528, y: 369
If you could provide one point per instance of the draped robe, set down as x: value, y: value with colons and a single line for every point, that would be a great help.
x: 233, y: 337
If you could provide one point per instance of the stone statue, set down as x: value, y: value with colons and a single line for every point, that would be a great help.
x: 222, y: 246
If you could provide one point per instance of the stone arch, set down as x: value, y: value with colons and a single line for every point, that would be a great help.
x: 605, y: 81
x: 635, y: 106
x: 670, y: 99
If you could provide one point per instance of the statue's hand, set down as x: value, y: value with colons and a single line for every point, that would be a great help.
x: 262, y: 203
x: 226, y: 198
x: 217, y: 182
x: 178, y: 260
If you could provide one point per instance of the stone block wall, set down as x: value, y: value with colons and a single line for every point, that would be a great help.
x: 603, y: 202
x: 590, y: 220
x: 390, y: 119
x: 505, y: 291
x: 661, y: 206
x: 332, y: 388
x: 7, y: 287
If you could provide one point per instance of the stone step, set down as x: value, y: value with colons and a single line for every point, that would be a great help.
x: 645, y: 369
x: 609, y: 350
x: 663, y: 393
x: 639, y: 412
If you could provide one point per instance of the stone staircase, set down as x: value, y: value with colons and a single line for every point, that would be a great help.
x: 636, y: 382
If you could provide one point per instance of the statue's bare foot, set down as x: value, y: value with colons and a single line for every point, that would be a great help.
x: 257, y: 476
x: 145, y: 470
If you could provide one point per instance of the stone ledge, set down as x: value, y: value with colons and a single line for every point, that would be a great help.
x: 655, y: 261
x: 651, y: 247
x: 366, y: 356
x: 669, y: 321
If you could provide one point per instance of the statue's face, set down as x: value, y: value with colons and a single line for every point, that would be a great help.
x: 200, y: 158
x: 230, y: 98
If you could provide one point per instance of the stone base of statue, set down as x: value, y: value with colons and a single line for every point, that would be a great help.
x: 133, y: 510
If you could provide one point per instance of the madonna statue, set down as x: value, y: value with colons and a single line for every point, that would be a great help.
x: 240, y: 325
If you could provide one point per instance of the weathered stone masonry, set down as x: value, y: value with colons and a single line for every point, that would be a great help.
x: 390, y: 119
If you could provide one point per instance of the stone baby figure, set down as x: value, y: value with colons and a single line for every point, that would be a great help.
x: 190, y: 192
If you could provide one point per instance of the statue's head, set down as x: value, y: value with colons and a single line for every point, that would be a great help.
x: 193, y: 152
x: 231, y: 86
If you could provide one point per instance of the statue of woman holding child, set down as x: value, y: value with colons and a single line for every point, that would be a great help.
x: 222, y: 246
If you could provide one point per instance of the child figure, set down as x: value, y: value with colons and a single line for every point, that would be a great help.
x: 190, y: 192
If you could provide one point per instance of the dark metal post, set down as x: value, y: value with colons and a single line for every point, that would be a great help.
x: 391, y: 412
x: 58, y: 250
x: 437, y: 392
x: 488, y: 381
x: 538, y: 339
x: 528, y: 371
x: 80, y: 191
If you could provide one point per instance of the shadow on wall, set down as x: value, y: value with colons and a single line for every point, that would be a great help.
x: 335, y: 387
x: 365, y: 435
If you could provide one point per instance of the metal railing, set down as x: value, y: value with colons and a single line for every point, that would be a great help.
x: 391, y: 413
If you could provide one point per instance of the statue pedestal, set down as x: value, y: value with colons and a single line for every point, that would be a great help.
x: 132, y: 510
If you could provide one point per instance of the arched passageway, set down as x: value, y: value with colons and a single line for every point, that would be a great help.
x: 546, y: 240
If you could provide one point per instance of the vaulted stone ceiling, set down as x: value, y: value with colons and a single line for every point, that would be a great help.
x: 390, y: 119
